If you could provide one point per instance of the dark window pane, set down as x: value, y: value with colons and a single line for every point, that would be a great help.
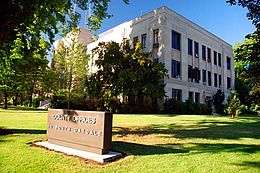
x: 144, y: 40
x: 219, y: 59
x: 190, y: 47
x: 176, y: 40
x: 196, y: 49
x: 177, y: 94
x: 228, y: 82
x: 209, y: 55
x: 215, y: 58
x: 204, y: 77
x: 209, y: 78
x: 228, y: 63
x: 204, y: 52
x: 197, y: 97
x: 219, y: 80
x: 215, y: 80
x: 176, y: 69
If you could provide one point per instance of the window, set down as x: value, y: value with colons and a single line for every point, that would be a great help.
x: 209, y: 55
x: 197, y: 97
x: 191, y: 96
x: 204, y: 77
x: 215, y: 58
x: 156, y: 38
x: 190, y: 72
x: 204, y: 52
x: 196, y: 49
x: 228, y: 63
x: 219, y: 81
x: 215, y: 80
x: 196, y: 74
x: 209, y: 78
x: 135, y: 41
x: 228, y: 82
x: 190, y: 47
x: 176, y: 69
x: 177, y: 94
x: 176, y: 40
x: 193, y: 74
x: 219, y: 59
x: 143, y: 41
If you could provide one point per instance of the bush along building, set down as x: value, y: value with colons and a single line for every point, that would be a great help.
x: 198, y: 62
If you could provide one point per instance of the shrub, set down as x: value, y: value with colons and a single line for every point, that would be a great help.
x: 233, y: 107
x: 172, y: 106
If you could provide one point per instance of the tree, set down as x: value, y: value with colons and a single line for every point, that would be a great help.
x: 125, y: 71
x: 247, y: 53
x: 70, y: 65
x: 247, y: 62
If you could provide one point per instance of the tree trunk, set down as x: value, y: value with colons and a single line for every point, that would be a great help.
x: 5, y: 100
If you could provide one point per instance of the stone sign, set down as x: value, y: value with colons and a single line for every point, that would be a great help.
x: 84, y: 130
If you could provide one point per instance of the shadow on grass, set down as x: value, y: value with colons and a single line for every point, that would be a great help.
x: 194, y: 148
x: 202, y: 129
x: 219, y: 148
x: 4, y: 131
x: 141, y: 149
x: 250, y: 164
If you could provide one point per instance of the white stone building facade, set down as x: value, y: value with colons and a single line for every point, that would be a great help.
x: 198, y: 62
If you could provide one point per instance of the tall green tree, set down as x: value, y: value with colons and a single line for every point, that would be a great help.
x: 247, y: 53
x: 247, y: 63
x: 70, y: 65
x: 125, y: 71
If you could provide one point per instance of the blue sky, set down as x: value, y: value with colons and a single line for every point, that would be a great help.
x: 227, y: 22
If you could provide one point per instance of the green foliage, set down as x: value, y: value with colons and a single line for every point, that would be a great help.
x: 247, y: 54
x: 218, y: 100
x: 70, y: 66
x: 125, y: 71
x: 233, y: 107
x: 247, y: 62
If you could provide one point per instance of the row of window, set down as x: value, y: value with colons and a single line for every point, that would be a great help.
x: 176, y: 44
x: 177, y: 95
x: 206, y: 51
x: 194, y: 75
x: 144, y: 38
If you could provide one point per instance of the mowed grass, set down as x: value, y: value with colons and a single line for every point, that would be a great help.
x: 153, y: 143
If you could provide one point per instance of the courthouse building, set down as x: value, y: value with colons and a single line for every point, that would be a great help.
x: 198, y: 62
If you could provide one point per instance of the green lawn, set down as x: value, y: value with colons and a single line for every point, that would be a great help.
x: 184, y: 143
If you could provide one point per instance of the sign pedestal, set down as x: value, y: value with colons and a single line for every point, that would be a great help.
x: 110, y: 156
